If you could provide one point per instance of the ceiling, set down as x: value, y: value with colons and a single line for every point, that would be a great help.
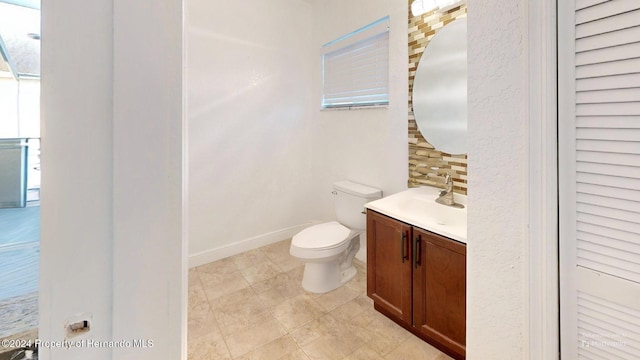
x: 19, y: 38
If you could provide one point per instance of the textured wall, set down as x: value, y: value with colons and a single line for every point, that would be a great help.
x: 422, y: 155
x: 498, y: 165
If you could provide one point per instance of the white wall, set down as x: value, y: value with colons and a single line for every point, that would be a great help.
x: 498, y: 184
x: 8, y: 108
x: 76, y: 260
x: 249, y: 101
x: 262, y: 156
x: 367, y: 146
x: 111, y: 236
x: 29, y: 108
x: 149, y: 248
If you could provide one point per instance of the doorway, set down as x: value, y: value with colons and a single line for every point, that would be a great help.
x: 19, y: 169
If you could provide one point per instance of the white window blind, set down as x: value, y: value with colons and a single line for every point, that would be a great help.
x: 355, y: 67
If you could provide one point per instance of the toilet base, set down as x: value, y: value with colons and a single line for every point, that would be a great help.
x: 322, y: 275
x: 325, y: 276
x: 348, y: 274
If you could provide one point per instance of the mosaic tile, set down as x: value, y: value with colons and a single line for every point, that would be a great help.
x: 421, y: 30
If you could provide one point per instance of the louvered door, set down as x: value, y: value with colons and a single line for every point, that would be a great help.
x: 599, y: 167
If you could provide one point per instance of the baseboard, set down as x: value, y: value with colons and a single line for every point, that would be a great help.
x: 238, y: 247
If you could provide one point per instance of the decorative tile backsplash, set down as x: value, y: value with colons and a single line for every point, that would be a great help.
x: 422, y: 156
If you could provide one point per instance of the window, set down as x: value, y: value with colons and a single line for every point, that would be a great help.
x: 19, y: 39
x: 355, y: 68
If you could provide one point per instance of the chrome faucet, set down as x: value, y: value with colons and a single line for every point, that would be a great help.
x: 446, y: 195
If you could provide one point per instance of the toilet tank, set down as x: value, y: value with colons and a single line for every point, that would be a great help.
x: 350, y: 199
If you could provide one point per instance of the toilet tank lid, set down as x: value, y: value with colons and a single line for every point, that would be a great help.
x: 356, y: 189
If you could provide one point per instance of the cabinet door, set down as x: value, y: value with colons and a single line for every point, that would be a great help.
x: 439, y: 289
x: 389, y: 265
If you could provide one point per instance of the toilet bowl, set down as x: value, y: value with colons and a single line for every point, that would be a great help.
x: 328, y: 248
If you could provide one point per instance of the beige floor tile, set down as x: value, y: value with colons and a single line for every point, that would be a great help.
x: 277, y: 248
x: 274, y: 318
x: 279, y: 254
x: 201, y: 320
x: 365, y: 353
x: 288, y: 285
x: 342, y: 335
x: 239, y: 311
x: 220, y: 284
x: 414, y: 348
x: 198, y: 302
x: 208, y: 348
x: 204, y: 324
x: 363, y: 321
x: 194, y: 279
x: 443, y: 356
x: 359, y: 314
x: 321, y: 349
x: 223, y: 266
x: 337, y: 297
x: 357, y: 308
x: 245, y: 341
x: 386, y: 335
x: 260, y: 272
x: 277, y: 349
x: 288, y: 263
x: 233, y: 300
x: 296, y: 355
x: 307, y: 333
x: 271, y: 298
x: 296, y: 311
x: 249, y: 258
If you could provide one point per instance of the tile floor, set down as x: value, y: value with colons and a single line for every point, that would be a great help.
x: 252, y: 306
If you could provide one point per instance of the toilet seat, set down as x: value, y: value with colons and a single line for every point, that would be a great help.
x: 322, y: 241
x: 322, y: 236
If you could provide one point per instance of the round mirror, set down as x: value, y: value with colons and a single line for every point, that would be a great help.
x: 440, y: 89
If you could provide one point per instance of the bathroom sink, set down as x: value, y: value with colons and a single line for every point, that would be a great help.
x: 418, y: 207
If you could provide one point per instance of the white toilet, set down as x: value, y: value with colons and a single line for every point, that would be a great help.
x: 328, y: 248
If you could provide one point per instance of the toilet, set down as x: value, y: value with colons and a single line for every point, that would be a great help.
x: 328, y: 249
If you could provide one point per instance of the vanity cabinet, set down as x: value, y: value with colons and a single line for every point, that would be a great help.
x: 389, y: 266
x: 418, y: 279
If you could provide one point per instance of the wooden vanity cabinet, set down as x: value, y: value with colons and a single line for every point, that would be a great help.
x: 439, y: 290
x: 418, y: 279
x: 389, y: 273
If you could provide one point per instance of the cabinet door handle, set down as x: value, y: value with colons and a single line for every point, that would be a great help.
x: 416, y: 251
x: 403, y: 246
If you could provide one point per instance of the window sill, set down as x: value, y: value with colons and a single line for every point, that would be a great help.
x: 355, y: 107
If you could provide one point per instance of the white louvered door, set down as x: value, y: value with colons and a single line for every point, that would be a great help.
x: 599, y: 185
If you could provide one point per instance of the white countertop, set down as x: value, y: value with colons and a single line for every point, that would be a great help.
x: 418, y: 207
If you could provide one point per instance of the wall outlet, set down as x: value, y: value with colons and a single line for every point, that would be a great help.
x: 78, y: 325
